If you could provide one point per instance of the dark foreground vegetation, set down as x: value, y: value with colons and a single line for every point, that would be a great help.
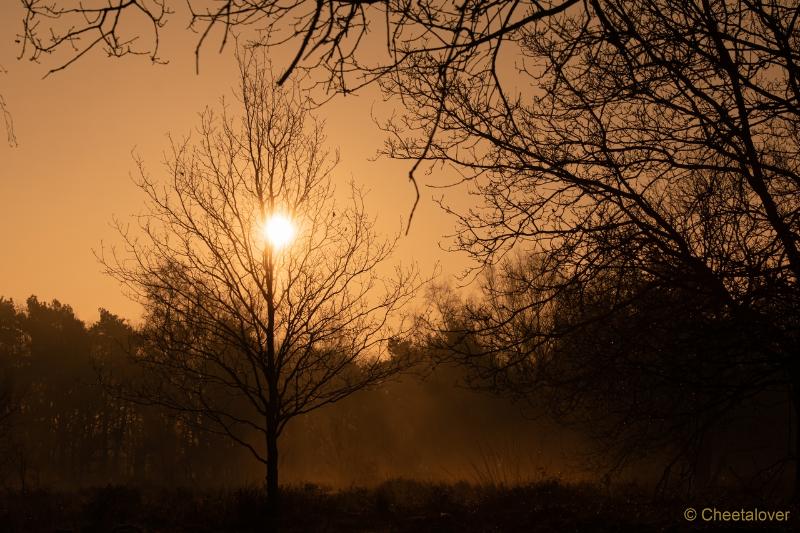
x: 396, y: 505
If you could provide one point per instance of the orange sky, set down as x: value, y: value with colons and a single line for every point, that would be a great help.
x: 70, y: 173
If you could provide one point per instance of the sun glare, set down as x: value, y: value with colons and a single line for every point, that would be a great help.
x: 279, y: 230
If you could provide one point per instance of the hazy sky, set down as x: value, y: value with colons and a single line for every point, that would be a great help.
x: 76, y: 130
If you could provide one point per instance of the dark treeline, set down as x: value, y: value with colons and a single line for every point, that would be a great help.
x: 65, y: 427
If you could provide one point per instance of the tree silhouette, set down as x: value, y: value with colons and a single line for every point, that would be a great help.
x: 60, y: 427
x: 242, y: 334
x: 654, y: 160
x: 648, y: 371
x: 11, y: 343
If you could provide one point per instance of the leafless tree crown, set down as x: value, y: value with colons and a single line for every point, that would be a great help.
x: 240, y: 333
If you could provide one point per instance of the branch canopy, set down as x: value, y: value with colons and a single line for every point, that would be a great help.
x: 242, y: 332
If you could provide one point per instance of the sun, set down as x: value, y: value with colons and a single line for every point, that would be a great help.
x: 278, y: 230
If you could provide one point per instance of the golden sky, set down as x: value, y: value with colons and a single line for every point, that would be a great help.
x: 70, y: 173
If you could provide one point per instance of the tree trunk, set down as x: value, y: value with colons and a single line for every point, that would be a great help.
x: 273, y: 487
x: 273, y: 409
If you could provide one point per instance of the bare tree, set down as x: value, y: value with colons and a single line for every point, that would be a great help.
x: 656, y: 162
x: 243, y: 334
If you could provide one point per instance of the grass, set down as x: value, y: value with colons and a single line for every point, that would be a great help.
x: 394, y: 506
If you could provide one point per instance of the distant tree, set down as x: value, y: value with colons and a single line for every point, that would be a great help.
x: 113, y: 445
x: 44, y: 358
x: 60, y: 427
x: 12, y: 344
x: 60, y: 396
x: 241, y: 333
x: 648, y: 371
